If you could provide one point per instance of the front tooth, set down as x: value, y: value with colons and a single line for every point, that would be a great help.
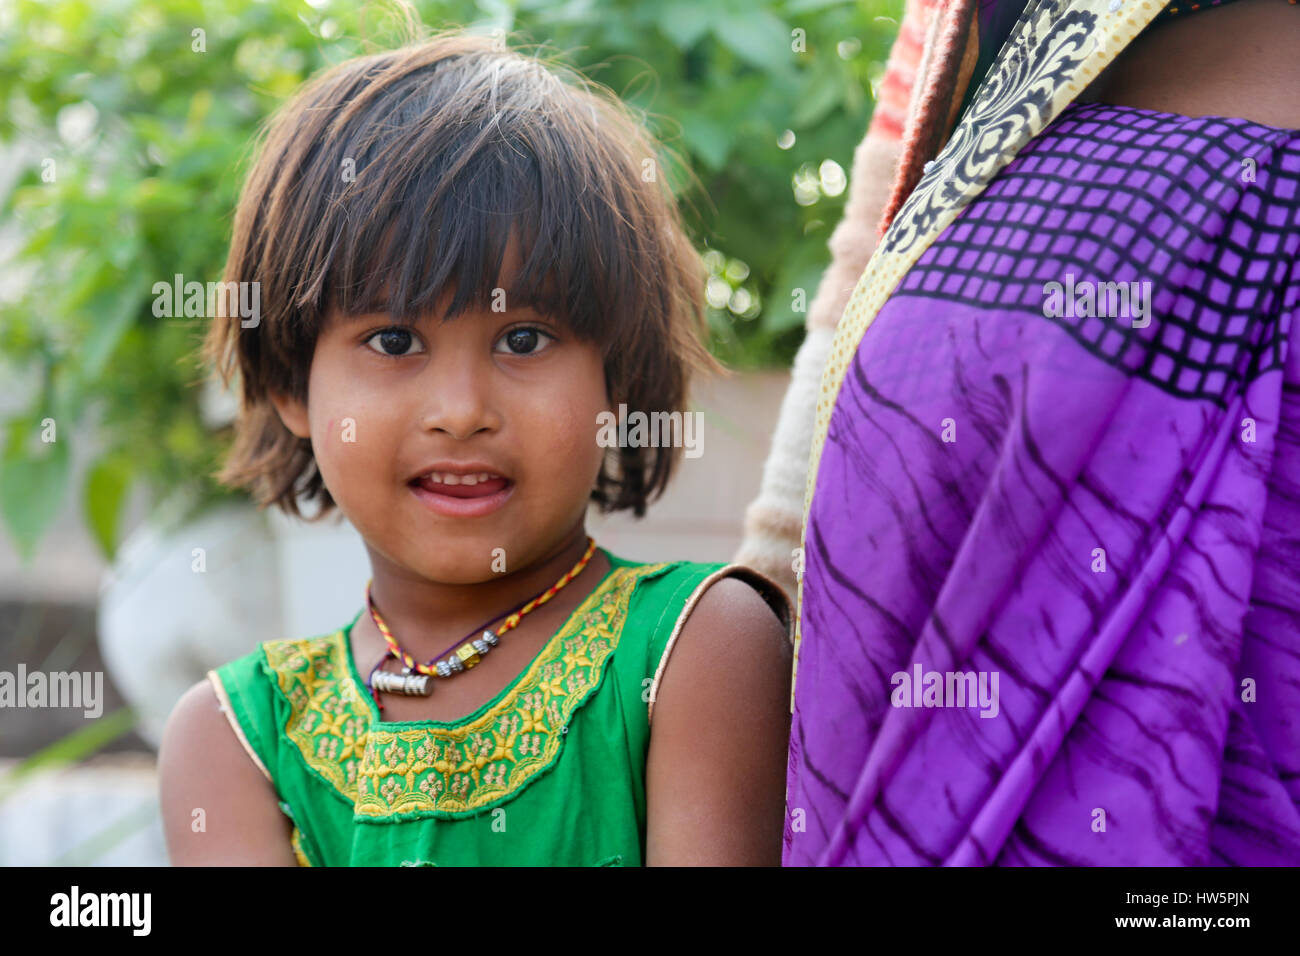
x: 484, y: 476
x: 469, y: 479
x: 448, y: 479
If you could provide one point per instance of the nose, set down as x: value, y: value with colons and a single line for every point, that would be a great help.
x: 460, y: 401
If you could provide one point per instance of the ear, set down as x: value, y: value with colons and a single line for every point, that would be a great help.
x: 293, y: 413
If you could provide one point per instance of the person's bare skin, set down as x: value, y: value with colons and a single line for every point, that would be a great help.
x: 217, y: 808
x: 1241, y: 60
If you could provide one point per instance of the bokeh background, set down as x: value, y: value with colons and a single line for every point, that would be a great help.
x: 124, y: 133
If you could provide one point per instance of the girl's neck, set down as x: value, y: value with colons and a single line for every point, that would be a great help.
x: 425, y: 616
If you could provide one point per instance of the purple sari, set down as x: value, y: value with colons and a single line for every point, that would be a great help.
x: 1051, y: 605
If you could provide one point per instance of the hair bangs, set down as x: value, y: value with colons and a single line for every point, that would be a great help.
x: 506, y: 213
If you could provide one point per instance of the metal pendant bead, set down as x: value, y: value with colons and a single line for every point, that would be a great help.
x: 490, y: 639
x: 480, y: 645
x: 467, y: 655
x: 417, y: 685
x: 411, y: 685
x: 443, y: 669
x: 456, y: 664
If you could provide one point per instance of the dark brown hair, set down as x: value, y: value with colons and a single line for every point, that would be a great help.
x: 453, y: 144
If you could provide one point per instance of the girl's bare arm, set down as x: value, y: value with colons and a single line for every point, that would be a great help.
x: 715, y: 775
x: 203, y: 767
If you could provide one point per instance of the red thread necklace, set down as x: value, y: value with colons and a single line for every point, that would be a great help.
x: 460, y: 656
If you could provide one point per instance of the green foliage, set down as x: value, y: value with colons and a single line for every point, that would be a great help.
x: 133, y: 144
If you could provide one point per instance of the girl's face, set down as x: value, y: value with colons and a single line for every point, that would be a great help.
x: 512, y: 391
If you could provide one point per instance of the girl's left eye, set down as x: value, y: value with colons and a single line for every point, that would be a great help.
x: 524, y: 340
x: 393, y: 341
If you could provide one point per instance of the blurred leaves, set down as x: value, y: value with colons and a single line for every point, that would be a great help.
x: 131, y: 146
x: 105, y: 493
x: 33, y: 481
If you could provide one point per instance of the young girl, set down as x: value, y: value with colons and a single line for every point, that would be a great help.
x: 464, y: 258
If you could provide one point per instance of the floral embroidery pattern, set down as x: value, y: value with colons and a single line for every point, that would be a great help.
x: 414, y: 769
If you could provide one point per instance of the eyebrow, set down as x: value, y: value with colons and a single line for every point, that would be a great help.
x: 527, y: 307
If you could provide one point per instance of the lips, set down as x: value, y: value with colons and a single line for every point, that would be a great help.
x: 461, y: 489
x: 462, y: 500
x: 456, y: 486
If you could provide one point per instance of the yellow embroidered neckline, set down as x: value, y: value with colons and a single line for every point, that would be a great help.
x: 436, y: 768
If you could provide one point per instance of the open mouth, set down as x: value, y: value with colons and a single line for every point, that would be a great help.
x: 472, y: 495
x: 482, y: 485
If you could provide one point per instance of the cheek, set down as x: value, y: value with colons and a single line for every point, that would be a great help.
x: 576, y: 421
x: 560, y: 430
x: 345, y: 436
x: 560, y: 434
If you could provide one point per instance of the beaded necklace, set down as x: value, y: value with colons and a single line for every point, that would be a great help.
x: 464, y: 653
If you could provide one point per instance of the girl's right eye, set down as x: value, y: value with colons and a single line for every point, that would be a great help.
x: 393, y: 341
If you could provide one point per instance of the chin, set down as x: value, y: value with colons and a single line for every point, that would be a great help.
x: 455, y: 565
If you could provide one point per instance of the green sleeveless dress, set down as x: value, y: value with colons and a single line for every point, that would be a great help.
x: 551, y: 771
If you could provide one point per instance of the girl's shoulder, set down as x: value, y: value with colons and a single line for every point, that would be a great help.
x: 259, y: 690
x: 662, y: 600
x: 666, y: 592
